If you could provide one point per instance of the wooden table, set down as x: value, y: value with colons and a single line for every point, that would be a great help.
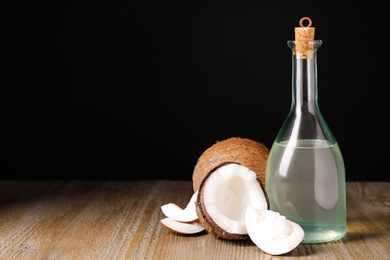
x: 120, y: 220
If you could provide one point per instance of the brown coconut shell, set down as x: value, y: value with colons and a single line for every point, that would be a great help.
x: 243, y: 151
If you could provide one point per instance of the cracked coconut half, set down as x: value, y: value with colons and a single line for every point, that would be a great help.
x: 229, y: 176
x: 223, y: 198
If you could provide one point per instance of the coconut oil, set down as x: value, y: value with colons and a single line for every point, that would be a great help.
x: 305, y: 181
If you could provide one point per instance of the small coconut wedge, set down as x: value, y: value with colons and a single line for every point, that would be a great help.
x: 271, y: 232
x: 182, y: 228
x: 188, y: 214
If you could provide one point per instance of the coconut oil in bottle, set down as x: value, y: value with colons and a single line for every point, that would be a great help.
x: 305, y: 182
x: 305, y: 175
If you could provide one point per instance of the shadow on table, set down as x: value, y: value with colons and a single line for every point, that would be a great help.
x: 367, y: 228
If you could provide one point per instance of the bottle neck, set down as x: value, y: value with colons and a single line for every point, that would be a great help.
x: 304, y: 122
x: 304, y: 84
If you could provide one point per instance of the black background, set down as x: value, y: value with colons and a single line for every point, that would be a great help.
x: 130, y: 90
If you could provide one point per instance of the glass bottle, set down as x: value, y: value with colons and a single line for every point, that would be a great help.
x: 305, y: 175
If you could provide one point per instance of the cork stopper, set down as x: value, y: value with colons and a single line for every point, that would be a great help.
x: 304, y: 49
x: 304, y: 33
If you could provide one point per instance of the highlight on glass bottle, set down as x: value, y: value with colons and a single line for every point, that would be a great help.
x: 305, y: 175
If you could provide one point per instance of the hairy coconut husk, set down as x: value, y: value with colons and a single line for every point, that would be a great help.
x: 243, y: 151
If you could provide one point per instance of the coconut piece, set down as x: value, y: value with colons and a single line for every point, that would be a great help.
x: 174, y: 212
x: 223, y: 198
x: 182, y: 228
x: 243, y: 151
x: 271, y: 232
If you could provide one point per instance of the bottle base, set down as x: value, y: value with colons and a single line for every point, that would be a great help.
x: 322, y: 233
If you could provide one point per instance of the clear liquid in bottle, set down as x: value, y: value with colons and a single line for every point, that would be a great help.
x: 305, y: 182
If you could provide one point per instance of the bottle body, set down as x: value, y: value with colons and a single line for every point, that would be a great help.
x: 305, y: 174
x: 305, y: 182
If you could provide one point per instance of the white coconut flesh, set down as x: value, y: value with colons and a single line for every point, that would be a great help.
x: 271, y: 232
x: 188, y: 214
x: 182, y: 228
x: 228, y: 192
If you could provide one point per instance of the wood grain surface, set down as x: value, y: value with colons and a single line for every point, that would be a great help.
x: 120, y: 220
